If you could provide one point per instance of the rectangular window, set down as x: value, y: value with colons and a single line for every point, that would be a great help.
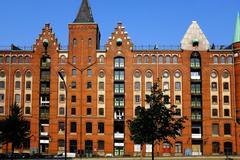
x: 225, y: 86
x: 119, y: 88
x: 61, y: 111
x: 101, y: 111
x: 60, y: 127
x: 89, y: 111
x: 74, y: 85
x: 214, y: 86
x: 88, y: 127
x: 28, y: 97
x: 61, y: 85
x: 89, y: 59
x: 17, y: 85
x: 17, y: 98
x: 177, y: 86
x: 101, y: 145
x: 215, y: 129
x: 89, y: 99
x: 89, y: 72
x: 101, y: 86
x: 178, y: 147
x: 73, y: 127
x: 165, y: 86
x: 2, y: 84
x: 227, y: 129
x: 74, y: 72
x: 178, y: 99
x: 119, y: 75
x: 73, y: 99
x: 100, y: 127
x: 89, y: 85
x: 214, y: 100
x: 1, y: 109
x: 101, y: 98
x: 148, y: 86
x: 74, y: 60
x: 215, y: 112
x: 73, y: 111
x: 137, y: 86
x: 226, y: 99
x: 1, y: 97
x: 137, y: 98
x: 61, y: 97
x: 226, y: 112
x: 28, y: 85
x: 61, y: 144
x: 73, y: 146
x: 215, y: 147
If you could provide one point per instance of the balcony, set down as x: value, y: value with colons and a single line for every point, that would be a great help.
x: 196, y: 136
x: 45, y: 65
x: 119, y: 135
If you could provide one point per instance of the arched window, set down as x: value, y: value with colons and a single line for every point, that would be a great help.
x: 74, y: 59
x: 74, y: 42
x: 154, y: 59
x: 8, y: 59
x: 160, y: 59
x: 222, y: 59
x: 215, y: 59
x: 175, y: 59
x: 27, y: 59
x: 2, y: 74
x: 20, y: 59
x: 101, y: 59
x: 1, y: 59
x: 89, y: 42
x: 28, y: 74
x: 139, y: 59
x: 18, y: 74
x: 14, y: 59
x: 146, y: 59
x: 167, y: 59
x: 229, y: 59
x: 62, y: 59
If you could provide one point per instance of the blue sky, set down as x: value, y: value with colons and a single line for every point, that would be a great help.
x: 146, y: 21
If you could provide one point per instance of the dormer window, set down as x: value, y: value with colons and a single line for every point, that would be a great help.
x: 195, y: 42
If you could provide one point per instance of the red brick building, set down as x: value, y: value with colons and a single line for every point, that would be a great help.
x: 105, y: 85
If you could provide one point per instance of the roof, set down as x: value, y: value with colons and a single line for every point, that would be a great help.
x: 84, y: 14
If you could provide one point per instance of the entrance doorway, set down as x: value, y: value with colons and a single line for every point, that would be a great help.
x: 88, y: 148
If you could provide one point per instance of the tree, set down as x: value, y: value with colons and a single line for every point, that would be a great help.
x: 157, y: 123
x: 14, y: 128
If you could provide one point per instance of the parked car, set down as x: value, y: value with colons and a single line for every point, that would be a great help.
x: 62, y: 155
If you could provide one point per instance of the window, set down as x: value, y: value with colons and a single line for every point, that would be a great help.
x: 101, y: 98
x: 160, y: 59
x: 214, y: 100
x: 100, y: 127
x: 226, y: 99
x: 73, y: 111
x: 226, y: 112
x: 215, y: 147
x: 8, y: 59
x: 227, y: 129
x: 89, y: 111
x: 119, y: 102
x: 101, y: 111
x: 89, y: 85
x: 166, y: 147
x: 74, y: 42
x: 61, y: 127
x: 175, y: 59
x: 20, y: 59
x: 101, y: 59
x: 28, y: 97
x: 215, y: 112
x: 101, y: 145
x: 14, y: 59
x: 178, y: 147
x: 89, y: 99
x: 2, y: 74
x: 89, y: 42
x: 2, y: 84
x: 225, y: 86
x: 222, y: 59
x: 146, y: 60
x: 89, y: 72
x: 73, y: 146
x: 73, y: 127
x: 165, y: 86
x: 88, y: 127
x: 74, y: 72
x: 214, y: 86
x: 119, y: 88
x: 17, y: 98
x: 177, y: 86
x: 61, y: 97
x: 229, y: 59
x: 178, y: 112
x: 148, y: 86
x: 1, y: 109
x: 167, y: 59
x: 61, y: 144
x: 61, y: 111
x: 119, y: 63
x: 74, y: 60
x: 101, y: 86
x: 17, y: 84
x: 137, y: 98
x: 27, y: 59
x: 62, y: 59
x: 215, y: 59
x: 195, y: 75
x: 154, y: 59
x: 89, y: 59
x: 119, y: 75
x: 28, y: 84
x: 137, y: 86
x: 139, y: 59
x: 74, y: 85
x: 61, y: 85
x: 1, y: 59
x: 178, y: 99
x: 215, y: 129
x: 73, y: 99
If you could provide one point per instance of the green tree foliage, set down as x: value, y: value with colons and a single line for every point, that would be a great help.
x: 158, y: 123
x: 14, y: 128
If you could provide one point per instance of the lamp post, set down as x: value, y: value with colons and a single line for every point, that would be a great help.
x: 65, y: 126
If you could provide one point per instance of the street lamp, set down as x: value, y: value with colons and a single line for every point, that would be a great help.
x: 65, y: 126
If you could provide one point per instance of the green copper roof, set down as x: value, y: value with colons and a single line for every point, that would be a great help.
x: 237, y: 30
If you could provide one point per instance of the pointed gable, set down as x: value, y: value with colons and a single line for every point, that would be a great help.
x: 237, y: 30
x: 194, y: 34
x: 84, y: 14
